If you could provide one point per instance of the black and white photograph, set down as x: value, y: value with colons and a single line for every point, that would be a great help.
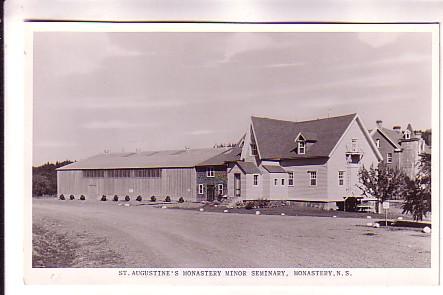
x: 254, y: 152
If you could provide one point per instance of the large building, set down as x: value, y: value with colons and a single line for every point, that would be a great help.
x: 310, y: 161
x: 400, y: 149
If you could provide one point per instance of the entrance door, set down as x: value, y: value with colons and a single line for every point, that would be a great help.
x: 92, y: 191
x: 210, y: 192
x: 237, y: 184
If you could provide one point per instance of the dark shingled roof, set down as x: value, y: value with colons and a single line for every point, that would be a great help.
x: 248, y: 167
x: 393, y: 135
x: 274, y: 169
x: 275, y: 138
x: 231, y: 155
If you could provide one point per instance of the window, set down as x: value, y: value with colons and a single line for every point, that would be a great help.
x: 301, y: 148
x: 282, y: 181
x: 354, y: 145
x: 200, y: 189
x: 290, y: 178
x: 389, y: 158
x: 275, y: 181
x: 210, y: 172
x: 148, y: 173
x: 312, y: 177
x: 377, y: 143
x: 253, y: 149
x: 118, y: 173
x: 220, y: 189
x: 407, y: 134
x: 94, y: 173
x: 341, y: 177
x: 255, y: 180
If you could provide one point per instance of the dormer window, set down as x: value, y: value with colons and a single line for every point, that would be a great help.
x: 301, y: 147
x: 407, y: 134
x: 377, y: 143
x: 253, y: 149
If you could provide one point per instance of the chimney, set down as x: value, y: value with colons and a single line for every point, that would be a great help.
x: 379, y: 123
x: 397, y: 129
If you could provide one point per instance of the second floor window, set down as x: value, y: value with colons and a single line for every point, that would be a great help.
x: 200, y: 189
x: 389, y: 158
x: 210, y: 172
x: 341, y: 177
x: 377, y: 143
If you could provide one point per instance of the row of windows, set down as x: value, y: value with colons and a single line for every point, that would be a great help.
x: 122, y: 173
x: 201, y: 189
x: 312, y: 179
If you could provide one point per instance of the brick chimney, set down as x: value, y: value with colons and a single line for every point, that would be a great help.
x: 379, y: 123
x: 397, y: 129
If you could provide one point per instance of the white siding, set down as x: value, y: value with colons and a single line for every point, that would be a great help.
x: 338, y: 162
x: 302, y: 190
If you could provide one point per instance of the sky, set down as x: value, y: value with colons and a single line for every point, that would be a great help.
x: 156, y: 91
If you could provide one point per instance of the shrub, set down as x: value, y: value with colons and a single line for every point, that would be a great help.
x: 103, y: 198
x: 71, y: 197
x: 262, y: 203
x: 181, y: 200
x: 168, y: 199
x: 82, y: 197
x: 153, y: 199
x: 62, y: 197
x: 127, y: 198
x: 115, y: 198
x: 250, y: 205
x: 139, y: 198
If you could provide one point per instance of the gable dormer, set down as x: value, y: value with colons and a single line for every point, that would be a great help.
x: 300, y: 140
x: 407, y: 134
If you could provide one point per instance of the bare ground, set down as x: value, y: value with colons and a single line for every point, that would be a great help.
x: 102, y: 234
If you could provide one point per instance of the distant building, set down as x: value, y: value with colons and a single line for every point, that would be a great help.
x: 400, y: 148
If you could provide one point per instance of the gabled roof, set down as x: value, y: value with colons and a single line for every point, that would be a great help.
x: 248, y: 167
x: 274, y: 169
x: 275, y: 138
x: 152, y: 159
x: 230, y: 155
x: 393, y: 137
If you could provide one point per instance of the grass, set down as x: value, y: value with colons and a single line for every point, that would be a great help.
x: 54, y: 249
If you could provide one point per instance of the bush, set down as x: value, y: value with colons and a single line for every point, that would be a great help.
x: 127, y: 198
x: 62, y: 197
x: 250, y: 205
x: 71, y: 197
x: 181, y: 200
x: 168, y: 199
x: 351, y: 204
x: 115, y: 198
x: 153, y: 199
x: 82, y: 197
x: 103, y: 198
x: 139, y: 198
x: 262, y: 203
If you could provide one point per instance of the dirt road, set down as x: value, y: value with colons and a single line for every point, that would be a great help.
x: 103, y: 234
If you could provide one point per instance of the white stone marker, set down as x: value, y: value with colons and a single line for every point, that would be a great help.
x: 257, y: 213
x: 201, y: 209
x: 283, y: 214
x: 376, y: 225
x: 225, y: 211
x: 369, y: 224
x: 426, y: 230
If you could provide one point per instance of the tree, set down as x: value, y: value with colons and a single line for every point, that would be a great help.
x: 418, y: 191
x: 383, y: 182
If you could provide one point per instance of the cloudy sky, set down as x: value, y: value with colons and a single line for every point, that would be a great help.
x: 122, y: 91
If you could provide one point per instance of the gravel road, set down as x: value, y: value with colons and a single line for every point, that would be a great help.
x: 108, y: 235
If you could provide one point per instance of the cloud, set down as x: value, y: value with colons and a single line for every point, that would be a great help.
x: 115, y: 124
x: 377, y: 40
x: 200, y: 132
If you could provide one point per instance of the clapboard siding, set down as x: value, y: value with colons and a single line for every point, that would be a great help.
x: 302, y: 190
x: 174, y: 182
x: 279, y: 191
x: 233, y: 170
x: 338, y: 162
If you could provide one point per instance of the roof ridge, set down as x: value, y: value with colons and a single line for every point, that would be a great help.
x: 312, y: 120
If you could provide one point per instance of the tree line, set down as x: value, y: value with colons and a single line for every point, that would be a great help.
x: 44, y: 178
